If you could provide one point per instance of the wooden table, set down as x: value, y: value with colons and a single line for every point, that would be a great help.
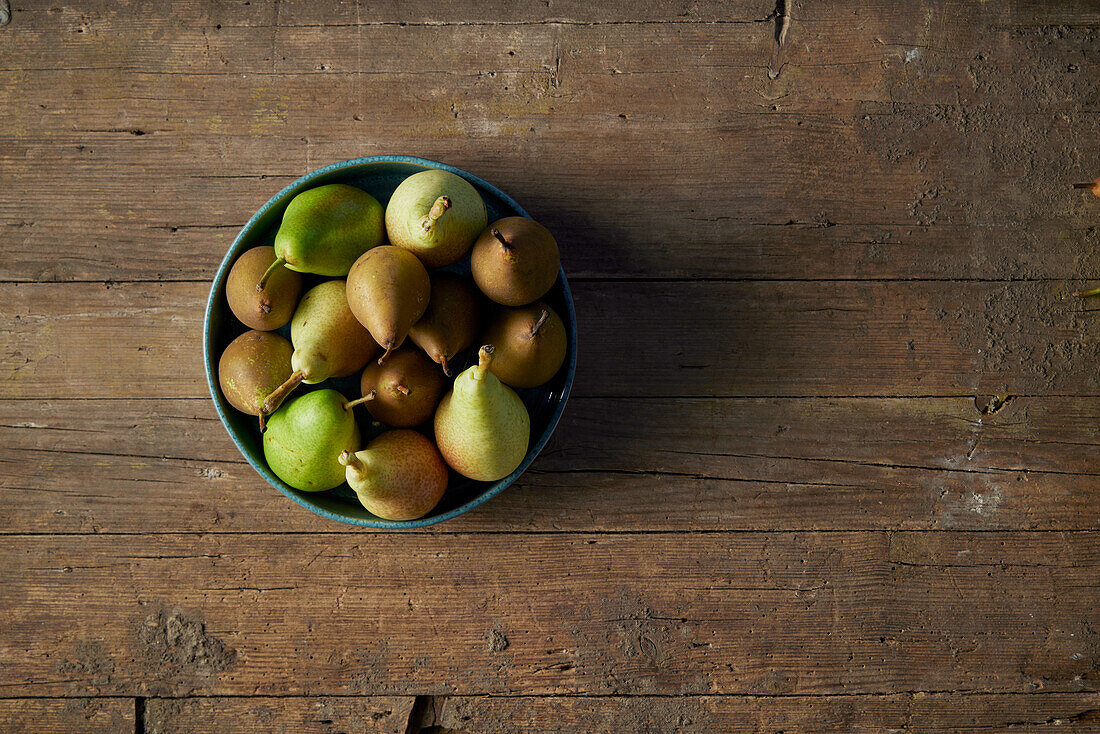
x: 831, y: 461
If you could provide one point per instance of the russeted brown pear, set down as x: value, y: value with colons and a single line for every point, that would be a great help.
x: 328, y: 340
x: 398, y: 476
x: 404, y: 390
x: 530, y: 344
x: 515, y: 261
x: 388, y: 291
x: 254, y: 364
x: 265, y: 308
x: 450, y: 324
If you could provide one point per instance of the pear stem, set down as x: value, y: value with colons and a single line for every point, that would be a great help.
x: 347, y: 458
x: 263, y: 421
x: 279, y: 262
x: 276, y: 398
x: 446, y: 368
x: 389, y: 349
x: 484, y: 357
x: 503, y: 242
x: 1088, y: 294
x: 441, y: 205
x: 352, y: 403
x: 402, y: 389
x: 538, y: 324
x: 1082, y: 186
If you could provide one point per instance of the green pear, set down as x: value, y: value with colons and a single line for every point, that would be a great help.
x: 436, y: 215
x: 325, y: 229
x: 328, y: 340
x: 482, y: 427
x: 305, y: 437
x: 398, y: 476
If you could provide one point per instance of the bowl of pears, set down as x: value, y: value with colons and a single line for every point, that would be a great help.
x: 390, y: 341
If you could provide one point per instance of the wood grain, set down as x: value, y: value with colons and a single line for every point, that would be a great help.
x: 725, y: 613
x: 784, y: 495
x: 632, y: 714
x: 260, y: 715
x: 613, y: 465
x: 67, y: 715
x: 941, y: 158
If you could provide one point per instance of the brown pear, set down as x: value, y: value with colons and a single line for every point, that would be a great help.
x: 515, y: 261
x: 530, y: 344
x: 404, y: 390
x: 451, y: 322
x: 328, y: 340
x: 254, y: 364
x: 267, y: 308
x: 388, y: 291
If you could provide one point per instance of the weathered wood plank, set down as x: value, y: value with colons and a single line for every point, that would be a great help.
x: 654, y: 339
x: 612, y: 714
x: 928, y: 143
x: 67, y: 715
x: 803, y: 613
x: 613, y: 465
x: 348, y: 715
x: 767, y: 714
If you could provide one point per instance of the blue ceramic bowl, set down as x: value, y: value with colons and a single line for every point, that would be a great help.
x: 379, y: 176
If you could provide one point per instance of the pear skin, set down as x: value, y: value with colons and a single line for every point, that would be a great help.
x: 482, y: 427
x: 398, y: 476
x: 451, y: 322
x: 328, y: 340
x: 267, y: 308
x: 254, y: 364
x: 304, y: 439
x: 388, y: 291
x: 403, y: 391
x: 436, y: 215
x: 515, y: 261
x: 325, y: 229
x: 530, y: 344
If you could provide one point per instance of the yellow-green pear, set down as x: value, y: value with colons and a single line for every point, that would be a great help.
x: 328, y: 340
x: 482, y: 427
x: 436, y: 215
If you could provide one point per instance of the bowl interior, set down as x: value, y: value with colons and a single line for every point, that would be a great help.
x: 378, y: 176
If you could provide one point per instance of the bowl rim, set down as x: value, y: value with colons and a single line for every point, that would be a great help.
x: 209, y: 358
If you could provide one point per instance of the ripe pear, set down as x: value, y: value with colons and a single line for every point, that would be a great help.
x: 530, y: 344
x: 254, y: 364
x: 328, y: 340
x: 305, y: 437
x: 482, y: 427
x: 398, y: 476
x: 450, y: 324
x: 267, y: 308
x: 436, y: 215
x: 388, y: 291
x: 515, y: 261
x: 405, y: 390
x: 325, y: 229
